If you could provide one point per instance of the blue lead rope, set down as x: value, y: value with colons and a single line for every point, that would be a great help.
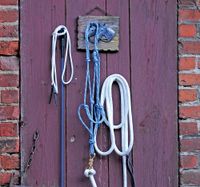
x: 94, y: 111
x: 91, y: 105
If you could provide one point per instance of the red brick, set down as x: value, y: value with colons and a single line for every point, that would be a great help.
x: 189, y: 161
x: 9, y: 96
x: 8, y: 129
x: 8, y: 15
x: 189, y: 15
x: 186, y: 63
x: 9, y: 112
x: 187, y: 95
x: 9, y: 47
x: 9, y: 162
x: 9, y: 145
x: 9, y: 63
x: 9, y: 80
x: 5, y: 178
x: 188, y: 145
x: 190, y: 177
x: 188, y: 2
x: 8, y: 31
x: 188, y: 128
x: 189, y: 112
x: 189, y: 47
x: 189, y: 79
x: 8, y: 2
x: 187, y: 30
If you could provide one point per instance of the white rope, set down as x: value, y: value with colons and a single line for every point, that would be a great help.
x: 126, y: 124
x: 90, y: 174
x: 57, y: 32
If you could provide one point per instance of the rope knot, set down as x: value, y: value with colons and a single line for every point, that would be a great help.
x: 96, y: 57
x: 89, y: 172
x: 98, y: 110
x: 91, y: 141
x: 98, y: 107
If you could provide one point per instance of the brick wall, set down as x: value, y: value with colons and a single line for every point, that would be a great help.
x: 9, y: 91
x: 189, y: 92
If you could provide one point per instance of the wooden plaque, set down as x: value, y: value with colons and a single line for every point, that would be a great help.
x: 111, y: 21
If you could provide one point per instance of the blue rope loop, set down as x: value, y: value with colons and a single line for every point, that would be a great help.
x: 94, y: 111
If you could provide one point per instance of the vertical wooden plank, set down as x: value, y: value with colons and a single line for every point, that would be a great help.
x: 77, y: 136
x: 118, y: 63
x: 38, y: 20
x: 154, y: 86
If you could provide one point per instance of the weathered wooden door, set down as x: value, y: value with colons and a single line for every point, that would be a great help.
x: 147, y: 59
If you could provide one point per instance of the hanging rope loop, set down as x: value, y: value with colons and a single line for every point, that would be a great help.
x: 94, y: 110
x: 126, y: 124
x: 61, y: 31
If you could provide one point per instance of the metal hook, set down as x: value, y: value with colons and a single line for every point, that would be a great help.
x: 106, y: 34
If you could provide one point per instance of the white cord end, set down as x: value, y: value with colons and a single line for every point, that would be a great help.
x: 89, y: 172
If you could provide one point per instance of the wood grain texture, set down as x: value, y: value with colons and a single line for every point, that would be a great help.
x: 38, y: 20
x: 110, y: 21
x: 154, y: 90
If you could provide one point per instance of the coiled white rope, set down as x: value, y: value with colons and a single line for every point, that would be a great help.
x: 61, y: 30
x: 126, y: 124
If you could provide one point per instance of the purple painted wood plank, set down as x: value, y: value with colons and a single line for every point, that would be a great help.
x: 154, y: 86
x: 119, y: 63
x: 38, y: 20
x: 77, y: 136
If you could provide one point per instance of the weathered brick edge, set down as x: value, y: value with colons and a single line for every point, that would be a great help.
x: 189, y: 92
x: 9, y: 91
